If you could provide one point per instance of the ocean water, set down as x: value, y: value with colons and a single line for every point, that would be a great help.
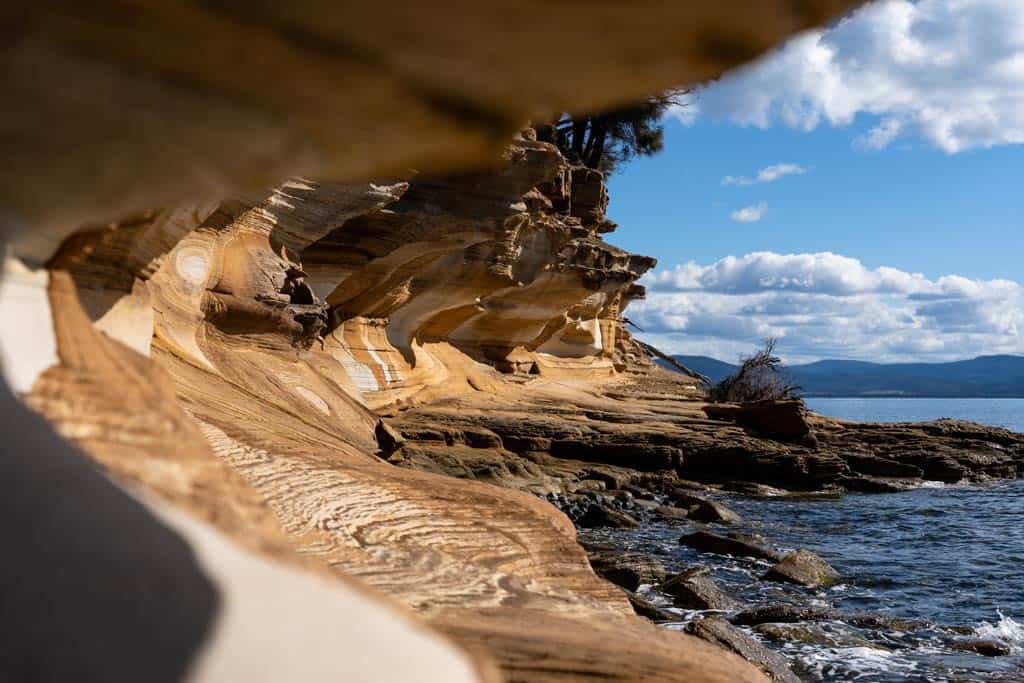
x: 997, y: 412
x: 949, y: 556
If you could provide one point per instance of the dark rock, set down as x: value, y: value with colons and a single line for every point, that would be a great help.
x: 686, y: 486
x: 601, y: 516
x: 638, y: 492
x: 804, y: 568
x: 883, y: 622
x: 751, y: 488
x: 628, y: 570
x: 864, y: 484
x: 718, y: 631
x: 646, y: 608
x: 782, y: 420
x: 704, y: 510
x: 589, y: 195
x: 987, y: 648
x: 695, y: 589
x: 864, y: 463
x: 782, y: 614
x: 738, y: 545
x: 388, y: 440
x: 813, y: 634
x: 943, y: 467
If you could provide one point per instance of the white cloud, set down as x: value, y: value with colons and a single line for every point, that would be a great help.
x: 768, y: 174
x: 950, y: 71
x: 880, y: 136
x: 750, y: 214
x: 828, y: 305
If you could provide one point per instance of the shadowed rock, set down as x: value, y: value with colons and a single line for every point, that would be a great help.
x: 647, y: 609
x: 781, y: 614
x: 704, y: 510
x: 628, y: 570
x: 695, y: 589
x: 718, y: 631
x: 604, y: 516
x: 738, y: 545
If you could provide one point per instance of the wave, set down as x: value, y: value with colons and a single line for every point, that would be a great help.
x: 1006, y: 630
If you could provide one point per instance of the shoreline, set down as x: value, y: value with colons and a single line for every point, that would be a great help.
x: 626, y: 479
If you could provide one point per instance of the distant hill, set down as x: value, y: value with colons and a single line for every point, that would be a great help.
x: 985, y: 376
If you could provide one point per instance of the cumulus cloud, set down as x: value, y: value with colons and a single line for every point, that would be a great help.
x: 828, y: 305
x: 768, y: 174
x: 750, y: 214
x: 949, y: 71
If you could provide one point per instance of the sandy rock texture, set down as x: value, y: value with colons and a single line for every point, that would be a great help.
x: 235, y: 358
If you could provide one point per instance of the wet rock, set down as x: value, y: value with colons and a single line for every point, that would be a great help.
x: 881, y: 622
x: 685, y: 486
x: 782, y: 614
x: 804, y: 568
x: 695, y: 589
x: 813, y: 634
x: 645, y: 608
x: 864, y: 484
x: 866, y: 463
x: 943, y: 467
x: 718, y: 631
x: 670, y: 512
x: 738, y: 545
x: 984, y: 647
x: 750, y: 488
x: 704, y: 510
x: 598, y: 515
x: 628, y: 570
x: 638, y: 492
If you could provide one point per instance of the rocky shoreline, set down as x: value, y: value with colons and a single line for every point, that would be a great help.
x: 648, y: 450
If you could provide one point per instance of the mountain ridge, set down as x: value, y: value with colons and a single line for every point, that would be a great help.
x: 988, y: 376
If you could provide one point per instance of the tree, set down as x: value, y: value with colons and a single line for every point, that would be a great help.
x: 759, y: 378
x: 603, y: 141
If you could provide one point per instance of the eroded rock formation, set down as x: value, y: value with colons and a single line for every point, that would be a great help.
x: 229, y: 357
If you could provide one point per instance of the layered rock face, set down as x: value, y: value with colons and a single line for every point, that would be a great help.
x: 228, y: 357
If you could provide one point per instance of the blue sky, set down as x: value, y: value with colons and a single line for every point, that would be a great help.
x: 887, y: 222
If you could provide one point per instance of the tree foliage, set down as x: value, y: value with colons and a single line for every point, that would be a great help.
x: 606, y: 140
x: 759, y: 378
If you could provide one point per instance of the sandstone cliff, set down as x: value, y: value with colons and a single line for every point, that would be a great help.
x: 231, y: 358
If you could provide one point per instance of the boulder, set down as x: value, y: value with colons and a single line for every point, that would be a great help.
x: 718, y: 631
x: 647, y: 609
x: 881, y: 622
x: 984, y: 647
x: 704, y: 510
x: 804, y: 568
x: 750, y: 488
x: 814, y: 634
x: 628, y: 570
x: 738, y: 545
x: 695, y: 589
x: 781, y: 614
x: 598, y: 515
x: 670, y: 512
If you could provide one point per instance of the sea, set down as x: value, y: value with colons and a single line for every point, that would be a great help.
x: 949, y: 558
